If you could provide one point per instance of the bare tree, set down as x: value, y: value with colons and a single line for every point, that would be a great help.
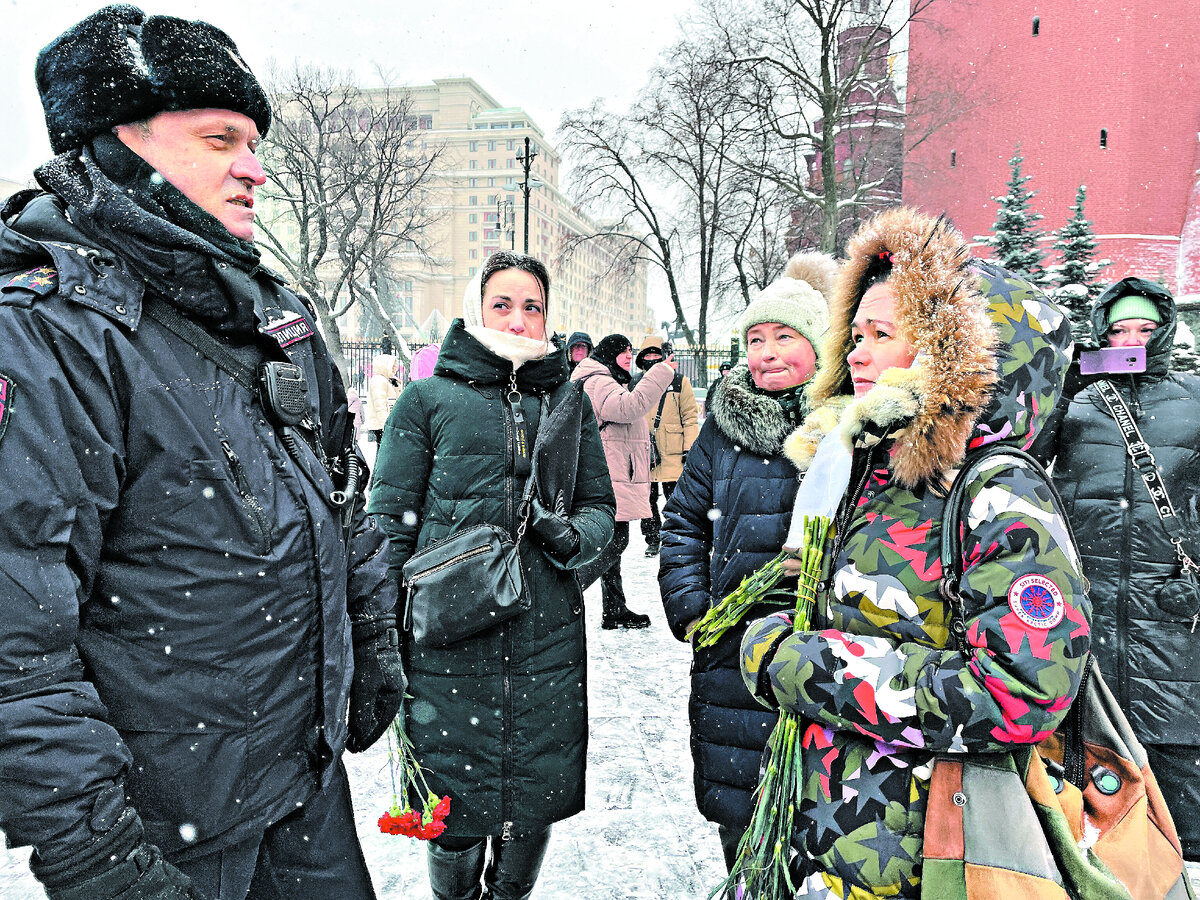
x: 819, y: 78
x: 757, y: 222
x: 662, y: 169
x: 349, y: 173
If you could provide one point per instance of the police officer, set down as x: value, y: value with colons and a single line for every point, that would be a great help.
x: 196, y: 616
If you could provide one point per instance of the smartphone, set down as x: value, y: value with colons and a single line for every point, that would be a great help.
x: 1112, y: 360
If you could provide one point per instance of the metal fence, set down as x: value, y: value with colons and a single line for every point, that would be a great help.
x: 699, y: 364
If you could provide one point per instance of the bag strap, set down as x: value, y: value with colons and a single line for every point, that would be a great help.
x: 1071, y: 729
x: 951, y: 543
x: 527, y: 494
x: 662, y: 401
x: 202, y: 342
x: 1143, y: 460
x: 246, y: 375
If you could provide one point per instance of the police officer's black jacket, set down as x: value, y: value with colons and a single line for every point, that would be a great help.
x: 175, y: 592
x: 1148, y: 654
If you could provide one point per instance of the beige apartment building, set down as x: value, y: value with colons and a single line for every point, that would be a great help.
x: 481, y: 210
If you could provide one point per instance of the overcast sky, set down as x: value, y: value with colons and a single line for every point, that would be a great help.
x: 544, y: 55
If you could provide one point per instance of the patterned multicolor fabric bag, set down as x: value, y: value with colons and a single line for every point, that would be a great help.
x: 1076, y: 816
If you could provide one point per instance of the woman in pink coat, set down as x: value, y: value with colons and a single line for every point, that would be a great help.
x: 621, y: 415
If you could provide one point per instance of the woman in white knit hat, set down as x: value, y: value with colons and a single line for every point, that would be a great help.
x: 728, y: 515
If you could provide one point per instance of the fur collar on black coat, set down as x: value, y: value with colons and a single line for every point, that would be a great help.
x: 750, y: 418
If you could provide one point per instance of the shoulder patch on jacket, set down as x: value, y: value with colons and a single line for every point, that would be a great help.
x: 288, y: 330
x: 1036, y: 601
x: 6, y: 396
x: 41, y: 280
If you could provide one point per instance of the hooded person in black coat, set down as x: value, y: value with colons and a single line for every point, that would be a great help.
x: 579, y: 346
x: 499, y: 718
x: 1144, y: 616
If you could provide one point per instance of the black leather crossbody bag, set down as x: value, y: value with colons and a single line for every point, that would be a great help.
x: 469, y: 581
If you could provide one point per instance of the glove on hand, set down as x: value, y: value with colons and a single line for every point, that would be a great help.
x: 553, y: 532
x: 377, y: 689
x: 91, y: 874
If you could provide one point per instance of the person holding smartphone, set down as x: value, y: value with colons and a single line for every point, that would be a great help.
x: 1144, y: 609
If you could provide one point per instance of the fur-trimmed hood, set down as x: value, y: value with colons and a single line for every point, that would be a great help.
x: 992, y: 353
x: 750, y: 419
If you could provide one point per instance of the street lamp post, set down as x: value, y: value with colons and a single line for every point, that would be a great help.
x: 504, y: 222
x: 526, y: 161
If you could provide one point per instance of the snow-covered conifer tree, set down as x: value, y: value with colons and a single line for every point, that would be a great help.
x: 1014, y: 237
x: 1075, y: 273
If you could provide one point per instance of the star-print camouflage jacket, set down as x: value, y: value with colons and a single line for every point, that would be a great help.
x: 879, y: 686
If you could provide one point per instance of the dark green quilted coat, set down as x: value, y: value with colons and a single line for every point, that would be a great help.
x: 499, y: 720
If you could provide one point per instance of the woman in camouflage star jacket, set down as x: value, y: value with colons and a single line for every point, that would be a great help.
x: 877, y: 683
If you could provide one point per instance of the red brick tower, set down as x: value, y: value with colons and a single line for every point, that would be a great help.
x: 1105, y: 93
x: 869, y: 140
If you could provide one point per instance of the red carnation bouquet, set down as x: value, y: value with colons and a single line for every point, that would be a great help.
x: 406, y: 773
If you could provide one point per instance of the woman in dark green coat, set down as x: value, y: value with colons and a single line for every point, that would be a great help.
x: 498, y: 720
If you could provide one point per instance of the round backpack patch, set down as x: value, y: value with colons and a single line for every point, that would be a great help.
x: 1037, y: 601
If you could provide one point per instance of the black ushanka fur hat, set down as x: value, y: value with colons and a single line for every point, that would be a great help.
x: 119, y: 66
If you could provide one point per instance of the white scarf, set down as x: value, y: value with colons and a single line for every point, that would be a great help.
x: 516, y: 349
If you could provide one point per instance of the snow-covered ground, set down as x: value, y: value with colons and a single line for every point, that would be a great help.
x: 640, y: 837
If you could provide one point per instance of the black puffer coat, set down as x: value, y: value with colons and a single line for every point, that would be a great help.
x: 1148, y: 656
x: 175, y: 591
x: 728, y: 516
x: 499, y: 720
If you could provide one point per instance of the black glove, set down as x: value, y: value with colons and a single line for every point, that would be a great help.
x: 553, y: 532
x: 377, y: 689
x: 90, y: 873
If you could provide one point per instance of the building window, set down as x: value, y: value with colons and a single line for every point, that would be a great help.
x: 491, y: 163
x: 472, y: 182
x: 473, y: 146
x: 511, y: 143
x: 510, y: 164
x: 473, y: 253
x: 491, y: 182
x: 473, y: 200
x: 492, y: 198
x: 1037, y: 25
x: 472, y: 270
x: 953, y: 158
x: 472, y: 236
x: 472, y: 163
x: 473, y: 218
x: 425, y: 123
x: 1103, y: 138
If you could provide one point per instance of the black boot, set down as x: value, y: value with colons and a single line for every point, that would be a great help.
x: 456, y: 874
x: 612, y: 597
x: 514, y: 866
x: 626, y: 618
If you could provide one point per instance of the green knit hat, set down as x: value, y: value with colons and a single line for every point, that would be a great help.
x: 791, y: 302
x: 1134, y: 306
